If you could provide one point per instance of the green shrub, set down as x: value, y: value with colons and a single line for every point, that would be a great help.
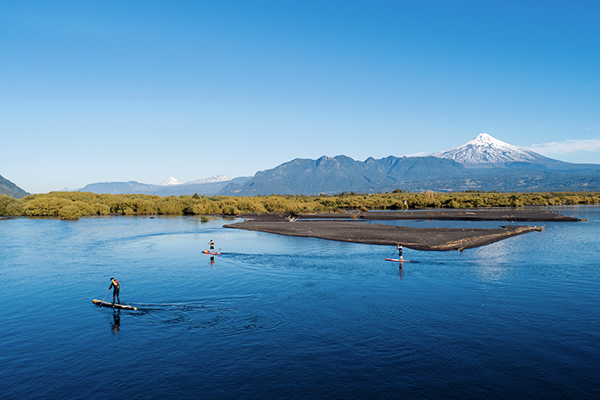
x: 10, y: 206
x: 71, y: 204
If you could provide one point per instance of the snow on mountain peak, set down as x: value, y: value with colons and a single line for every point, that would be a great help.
x: 486, y: 138
x: 487, y: 149
x: 212, y: 179
x: 171, y: 181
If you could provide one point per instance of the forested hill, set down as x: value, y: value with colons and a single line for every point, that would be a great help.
x: 10, y: 189
x: 330, y: 175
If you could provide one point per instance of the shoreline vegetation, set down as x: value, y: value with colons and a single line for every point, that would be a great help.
x: 336, y: 217
x: 73, y: 205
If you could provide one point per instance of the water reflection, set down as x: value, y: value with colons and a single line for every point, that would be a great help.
x: 256, y: 318
x: 492, y: 260
x: 116, y: 321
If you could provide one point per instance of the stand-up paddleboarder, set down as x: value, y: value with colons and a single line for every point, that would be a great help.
x: 400, y: 251
x: 114, y: 284
x: 212, y: 245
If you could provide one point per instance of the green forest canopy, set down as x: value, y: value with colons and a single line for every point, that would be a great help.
x: 72, y: 205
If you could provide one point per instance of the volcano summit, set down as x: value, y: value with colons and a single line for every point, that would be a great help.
x: 487, y: 149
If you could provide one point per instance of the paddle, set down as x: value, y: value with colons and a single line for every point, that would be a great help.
x: 100, y: 305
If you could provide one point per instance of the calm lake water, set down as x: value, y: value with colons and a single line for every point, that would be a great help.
x: 279, y: 317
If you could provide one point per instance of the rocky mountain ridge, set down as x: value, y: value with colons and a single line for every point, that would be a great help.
x: 10, y: 189
x: 484, y: 163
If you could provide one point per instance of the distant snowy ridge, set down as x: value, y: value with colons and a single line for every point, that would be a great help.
x: 487, y: 149
x: 212, y: 179
x: 170, y: 181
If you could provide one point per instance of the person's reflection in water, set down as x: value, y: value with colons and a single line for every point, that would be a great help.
x: 212, y: 260
x: 116, y: 321
x: 400, y: 273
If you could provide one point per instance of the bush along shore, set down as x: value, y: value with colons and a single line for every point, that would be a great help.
x: 73, y: 205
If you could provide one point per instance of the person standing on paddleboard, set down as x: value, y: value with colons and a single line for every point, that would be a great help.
x: 114, y: 284
x: 400, y: 251
x: 212, y: 245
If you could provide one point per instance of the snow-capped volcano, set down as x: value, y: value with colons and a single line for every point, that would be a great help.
x: 487, y: 149
x: 171, y: 181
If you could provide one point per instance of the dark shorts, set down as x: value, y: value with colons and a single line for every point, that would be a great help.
x: 115, y: 291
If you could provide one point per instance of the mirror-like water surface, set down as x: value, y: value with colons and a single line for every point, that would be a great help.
x: 285, y: 317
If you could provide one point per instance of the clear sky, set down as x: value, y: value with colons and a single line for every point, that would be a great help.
x: 101, y: 91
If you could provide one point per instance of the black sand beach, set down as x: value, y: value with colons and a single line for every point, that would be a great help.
x: 473, y: 214
x: 329, y: 226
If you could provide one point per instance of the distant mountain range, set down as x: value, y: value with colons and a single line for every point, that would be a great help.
x: 10, y: 189
x: 338, y: 174
x: 212, y: 179
x: 171, y: 187
x: 484, y: 163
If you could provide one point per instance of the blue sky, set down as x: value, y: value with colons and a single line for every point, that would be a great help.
x: 143, y: 90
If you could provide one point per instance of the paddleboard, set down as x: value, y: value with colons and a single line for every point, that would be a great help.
x: 101, y: 303
x: 398, y: 260
x: 212, y: 253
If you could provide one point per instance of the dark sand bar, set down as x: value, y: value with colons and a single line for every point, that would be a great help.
x: 415, y: 238
x: 473, y: 214
x: 329, y: 226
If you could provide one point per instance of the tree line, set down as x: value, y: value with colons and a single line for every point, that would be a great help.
x: 73, y: 205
